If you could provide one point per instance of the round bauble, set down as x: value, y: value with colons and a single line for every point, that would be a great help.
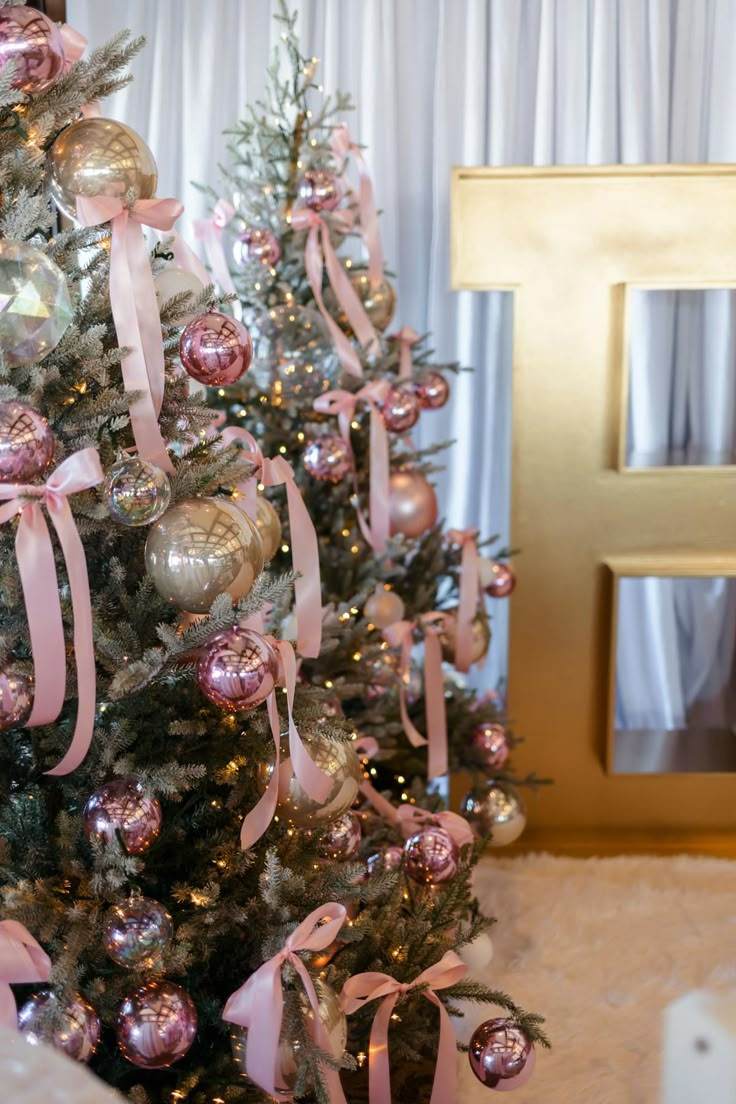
x: 400, y: 408
x: 294, y: 357
x: 237, y: 669
x: 16, y: 699
x: 489, y: 746
x: 26, y: 443
x: 342, y: 838
x: 433, y: 391
x: 174, y: 280
x: 496, y: 808
x: 257, y: 245
x: 335, y: 758
x: 100, y: 157
x: 412, y: 504
x: 121, y: 809
x: 390, y: 858
x: 215, y: 349
x: 156, y: 1025
x: 480, y: 637
x: 431, y: 856
x: 136, y: 491
x: 385, y: 677
x: 136, y: 931
x: 378, y: 300
x: 35, y: 305
x: 202, y: 547
x: 268, y: 523
x: 320, y: 190
x: 70, y: 1025
x: 478, y: 953
x: 30, y: 40
x: 502, y: 582
x: 500, y: 1055
x: 383, y: 608
x: 328, y: 458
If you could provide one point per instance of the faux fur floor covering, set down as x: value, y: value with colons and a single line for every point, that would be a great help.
x: 600, y: 946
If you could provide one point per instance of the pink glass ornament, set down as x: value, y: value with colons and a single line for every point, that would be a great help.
x: 503, y: 581
x: 320, y: 190
x: 328, y: 458
x: 16, y: 699
x: 76, y: 1031
x: 431, y: 856
x: 390, y: 858
x: 342, y: 838
x: 26, y: 442
x: 216, y: 350
x: 401, y: 408
x: 412, y: 504
x: 237, y: 669
x: 433, y: 391
x: 500, y: 1055
x: 34, y: 43
x: 257, y: 244
x: 122, y: 808
x: 136, y: 932
x: 489, y: 746
x: 156, y: 1025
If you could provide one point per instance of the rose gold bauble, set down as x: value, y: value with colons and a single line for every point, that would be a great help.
x: 121, y: 810
x: 156, y: 1024
x: 26, y: 443
x: 34, y: 44
x: 237, y: 669
x: 433, y: 391
x: 480, y: 640
x: 401, y: 408
x: 502, y: 582
x: 75, y: 1029
x: 100, y: 157
x: 328, y: 458
x: 489, y: 746
x: 268, y: 523
x: 215, y: 349
x: 384, y: 608
x: 16, y: 699
x: 412, y: 504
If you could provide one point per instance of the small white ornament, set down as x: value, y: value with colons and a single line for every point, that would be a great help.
x: 174, y: 280
x: 478, y: 954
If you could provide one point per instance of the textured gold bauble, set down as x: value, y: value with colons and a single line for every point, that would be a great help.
x: 335, y: 758
x: 100, y: 157
x: 269, y: 526
x: 481, y: 638
x: 202, y: 547
x: 379, y: 301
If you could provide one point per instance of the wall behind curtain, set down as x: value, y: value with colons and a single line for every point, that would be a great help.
x: 439, y: 83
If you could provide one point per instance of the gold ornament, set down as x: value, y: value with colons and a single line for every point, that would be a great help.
x: 379, y: 302
x: 335, y: 758
x: 481, y: 637
x: 202, y: 547
x: 100, y: 157
x: 384, y: 608
x: 269, y: 526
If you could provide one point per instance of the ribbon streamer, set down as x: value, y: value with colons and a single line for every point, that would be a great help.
x: 258, y: 1005
x: 74, y: 45
x: 469, y: 594
x: 406, y: 337
x: 37, y: 569
x: 411, y: 818
x: 209, y: 232
x: 22, y: 962
x: 342, y: 145
x: 135, y: 309
x: 401, y: 635
x: 361, y: 988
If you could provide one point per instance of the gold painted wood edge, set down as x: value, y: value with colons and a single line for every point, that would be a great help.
x: 579, y: 843
x: 539, y: 172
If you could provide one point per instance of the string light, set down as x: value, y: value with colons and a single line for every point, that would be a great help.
x: 284, y: 548
x: 329, y: 684
x: 355, y: 550
x: 346, y: 532
x: 357, y: 656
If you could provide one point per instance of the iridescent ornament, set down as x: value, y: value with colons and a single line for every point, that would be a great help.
x: 237, y: 669
x: 335, y: 758
x: 174, y: 280
x: 320, y: 190
x: 136, y: 491
x: 431, y: 856
x: 156, y: 1024
x: 433, y: 391
x: 496, y: 808
x: 489, y: 746
x: 401, y: 408
x: 412, y: 504
x: 383, y: 608
x: 215, y: 349
x: 136, y: 932
x: 294, y: 357
x: 328, y: 458
x: 503, y: 581
x: 34, y: 43
x: 100, y: 157
x: 480, y: 636
x: 269, y: 526
x: 257, y: 245
x: 122, y: 809
x: 26, y: 443
x: 16, y: 699
x: 500, y: 1054
x: 343, y: 838
x: 379, y: 301
x: 202, y: 547
x: 70, y: 1025
x: 391, y: 858
x: 35, y: 308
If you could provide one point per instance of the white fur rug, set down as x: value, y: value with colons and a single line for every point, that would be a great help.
x: 600, y: 946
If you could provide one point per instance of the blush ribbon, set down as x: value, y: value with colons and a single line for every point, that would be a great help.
x: 342, y: 145
x: 411, y: 818
x: 469, y: 592
x: 367, y: 748
x: 315, y: 783
x: 406, y: 337
x: 258, y: 1005
x: 74, y: 45
x: 209, y: 232
x: 361, y: 988
x: 135, y: 309
x: 304, y: 548
x: 22, y: 962
x: 401, y: 635
x: 37, y: 570
x: 343, y: 404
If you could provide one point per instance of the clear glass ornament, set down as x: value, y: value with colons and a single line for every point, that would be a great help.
x: 293, y: 354
x: 137, y: 492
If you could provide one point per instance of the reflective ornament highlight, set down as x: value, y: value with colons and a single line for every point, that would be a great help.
x: 174, y: 280
x: 500, y: 1055
x: 431, y: 856
x: 121, y: 809
x: 342, y: 839
x: 384, y: 676
x: 338, y: 760
x: 202, y: 547
x: 384, y: 608
x: 35, y: 308
x: 237, y: 669
x: 71, y: 1026
x: 320, y: 190
x: 257, y: 245
x: 156, y: 1025
x: 412, y: 504
x: 136, y: 932
x: 391, y: 858
x: 268, y: 524
x: 100, y: 157
x: 496, y: 808
x: 401, y: 408
x: 215, y: 349
x: 16, y: 699
x: 136, y: 491
x: 294, y: 357
x: 379, y: 301
x: 34, y: 43
x: 328, y: 458
x: 503, y: 581
x: 489, y: 746
x: 26, y: 443
x: 480, y: 640
x: 433, y: 391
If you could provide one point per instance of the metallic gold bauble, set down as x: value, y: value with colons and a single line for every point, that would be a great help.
x: 379, y: 301
x: 384, y: 608
x: 496, y: 808
x: 337, y: 759
x: 100, y: 157
x: 480, y: 641
x: 200, y: 548
x: 412, y: 504
x: 269, y: 526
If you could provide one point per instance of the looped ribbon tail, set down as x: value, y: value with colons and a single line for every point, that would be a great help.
x: 361, y: 988
x: 469, y: 594
x: 342, y: 145
x: 258, y: 1005
x: 22, y: 962
x: 367, y: 748
x: 37, y: 569
x: 401, y: 635
x: 406, y: 337
x: 209, y: 232
x: 135, y: 309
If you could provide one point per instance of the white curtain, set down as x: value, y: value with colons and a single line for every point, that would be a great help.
x: 439, y: 83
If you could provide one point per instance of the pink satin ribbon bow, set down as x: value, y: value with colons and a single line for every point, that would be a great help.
x: 258, y: 1005
x: 74, y: 45
x: 411, y: 818
x: 135, y: 309
x: 304, y: 547
x: 376, y: 986
x: 209, y: 232
x: 343, y: 404
x: 22, y: 961
x: 469, y: 594
x: 406, y: 337
x: 342, y: 145
x: 35, y: 555
x: 401, y: 635
x: 319, y: 254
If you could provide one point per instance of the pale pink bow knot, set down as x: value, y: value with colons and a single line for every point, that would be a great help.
x: 469, y: 594
x: 401, y: 635
x: 22, y: 962
x: 411, y: 818
x: 342, y: 146
x: 209, y: 232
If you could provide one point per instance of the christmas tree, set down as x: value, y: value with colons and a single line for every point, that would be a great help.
x: 188, y: 902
